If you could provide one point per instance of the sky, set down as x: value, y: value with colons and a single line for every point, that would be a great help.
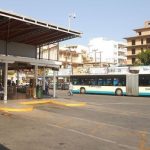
x: 111, y: 19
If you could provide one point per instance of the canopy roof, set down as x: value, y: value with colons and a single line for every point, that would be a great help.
x: 21, y: 29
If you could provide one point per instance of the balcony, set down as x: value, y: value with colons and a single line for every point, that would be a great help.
x: 139, y: 45
x: 122, y: 57
x: 131, y: 55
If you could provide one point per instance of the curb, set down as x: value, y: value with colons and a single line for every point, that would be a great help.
x: 54, y: 102
x: 7, y: 109
x: 68, y: 104
x: 35, y: 102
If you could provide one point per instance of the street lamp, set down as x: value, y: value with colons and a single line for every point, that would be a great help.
x: 70, y: 17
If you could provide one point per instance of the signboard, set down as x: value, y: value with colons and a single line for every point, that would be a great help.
x: 65, y: 72
x: 106, y: 70
x: 144, y: 70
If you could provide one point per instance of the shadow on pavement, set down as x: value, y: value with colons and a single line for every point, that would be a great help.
x: 2, y: 147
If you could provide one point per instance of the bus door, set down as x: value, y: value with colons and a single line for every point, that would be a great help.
x: 132, y: 84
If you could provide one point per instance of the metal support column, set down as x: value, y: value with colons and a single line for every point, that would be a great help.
x: 17, y: 77
x: 5, y: 82
x: 36, y: 75
x: 54, y: 84
x: 36, y: 79
x: 43, y: 78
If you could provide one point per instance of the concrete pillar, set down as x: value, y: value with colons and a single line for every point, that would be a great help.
x: 17, y: 77
x: 5, y: 82
x: 36, y: 74
x: 43, y: 78
x: 54, y: 84
x: 65, y: 79
x: 36, y: 80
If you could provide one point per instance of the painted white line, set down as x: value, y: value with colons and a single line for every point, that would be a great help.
x: 96, y: 104
x: 83, y: 133
x: 102, y: 123
x: 125, y: 113
x: 94, y: 137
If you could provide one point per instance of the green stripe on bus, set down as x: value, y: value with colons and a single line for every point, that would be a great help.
x: 97, y: 92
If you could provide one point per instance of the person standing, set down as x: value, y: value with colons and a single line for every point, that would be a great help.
x: 70, y: 89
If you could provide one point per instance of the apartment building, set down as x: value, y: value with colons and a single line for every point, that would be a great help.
x: 72, y: 57
x: 121, y: 54
x: 138, y: 43
x: 100, y: 48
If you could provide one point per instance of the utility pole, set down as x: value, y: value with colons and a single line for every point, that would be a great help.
x: 95, y: 50
x: 100, y: 57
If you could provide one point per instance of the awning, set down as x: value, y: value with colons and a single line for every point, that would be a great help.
x: 21, y: 29
x: 31, y: 61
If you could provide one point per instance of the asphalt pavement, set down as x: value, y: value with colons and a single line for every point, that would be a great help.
x: 104, y: 123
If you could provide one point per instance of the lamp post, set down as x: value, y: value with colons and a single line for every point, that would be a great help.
x: 70, y: 17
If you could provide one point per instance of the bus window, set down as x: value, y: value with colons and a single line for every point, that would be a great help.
x: 115, y: 82
x: 75, y: 82
x: 119, y: 81
x: 81, y: 81
x: 84, y: 81
x: 108, y: 81
x: 93, y: 81
x: 144, y: 80
x: 100, y: 81
x: 122, y: 81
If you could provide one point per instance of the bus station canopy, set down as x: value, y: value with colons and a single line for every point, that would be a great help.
x: 21, y: 29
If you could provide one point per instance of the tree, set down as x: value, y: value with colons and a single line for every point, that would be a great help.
x: 144, y: 57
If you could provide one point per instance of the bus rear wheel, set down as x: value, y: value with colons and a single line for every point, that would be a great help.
x: 118, y: 92
x: 82, y: 90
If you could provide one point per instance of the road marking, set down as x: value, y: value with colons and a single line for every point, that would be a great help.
x: 102, y: 123
x: 116, y: 104
x: 83, y: 133
x: 94, y: 137
x: 113, y: 111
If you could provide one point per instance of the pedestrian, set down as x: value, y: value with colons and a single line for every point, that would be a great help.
x: 70, y: 89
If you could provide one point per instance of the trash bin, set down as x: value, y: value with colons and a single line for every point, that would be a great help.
x: 39, y: 92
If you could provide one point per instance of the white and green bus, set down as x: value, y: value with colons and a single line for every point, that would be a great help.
x: 112, y: 84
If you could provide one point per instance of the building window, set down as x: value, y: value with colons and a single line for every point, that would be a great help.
x: 133, y: 60
x: 133, y: 42
x: 142, y: 41
x: 133, y: 51
x: 139, y: 33
x: 142, y: 50
x: 148, y: 40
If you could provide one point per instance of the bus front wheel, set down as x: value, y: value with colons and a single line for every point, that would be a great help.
x: 118, y: 92
x: 82, y: 90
